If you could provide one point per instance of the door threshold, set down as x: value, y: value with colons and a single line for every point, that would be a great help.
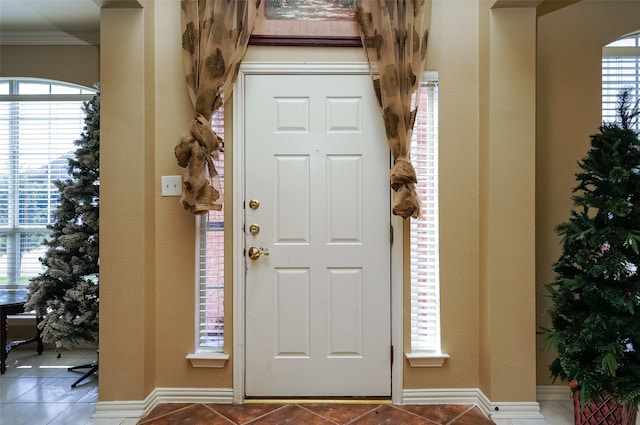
x: 318, y: 400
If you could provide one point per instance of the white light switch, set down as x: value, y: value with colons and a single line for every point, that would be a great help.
x: 171, y: 185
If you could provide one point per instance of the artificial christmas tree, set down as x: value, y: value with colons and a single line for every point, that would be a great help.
x: 595, y: 313
x: 65, y: 295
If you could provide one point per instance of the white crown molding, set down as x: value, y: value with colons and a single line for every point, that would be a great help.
x: 118, y: 4
x: 47, y: 38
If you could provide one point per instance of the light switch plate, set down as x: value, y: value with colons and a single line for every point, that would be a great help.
x: 171, y: 185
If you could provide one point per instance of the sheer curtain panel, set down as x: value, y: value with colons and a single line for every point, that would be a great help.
x: 215, y: 35
x: 394, y: 34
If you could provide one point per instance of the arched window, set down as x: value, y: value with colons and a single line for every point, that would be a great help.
x: 620, y: 70
x: 39, y: 122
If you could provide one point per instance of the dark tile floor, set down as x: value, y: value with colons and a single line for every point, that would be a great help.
x: 314, y: 414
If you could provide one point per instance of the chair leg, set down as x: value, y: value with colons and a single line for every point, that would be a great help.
x: 93, y: 368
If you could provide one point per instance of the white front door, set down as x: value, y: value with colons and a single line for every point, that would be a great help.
x: 317, y: 204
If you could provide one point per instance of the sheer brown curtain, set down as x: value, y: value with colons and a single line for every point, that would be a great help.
x: 394, y: 34
x: 215, y: 35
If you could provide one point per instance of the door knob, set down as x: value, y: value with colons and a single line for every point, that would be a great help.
x: 255, y: 253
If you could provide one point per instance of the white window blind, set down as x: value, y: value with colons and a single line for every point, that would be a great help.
x: 210, y: 287
x: 39, y: 122
x: 620, y: 71
x: 425, y: 304
x: 425, y: 270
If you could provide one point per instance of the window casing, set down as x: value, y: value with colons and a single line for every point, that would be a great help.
x: 620, y: 70
x: 39, y: 123
x: 425, y: 293
x: 210, y: 265
x: 424, y: 234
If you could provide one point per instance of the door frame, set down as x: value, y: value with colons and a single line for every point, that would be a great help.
x: 238, y: 154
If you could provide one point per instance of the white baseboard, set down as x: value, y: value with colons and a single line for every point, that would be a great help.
x: 473, y: 396
x: 120, y: 409
x: 553, y: 393
x: 464, y: 396
x: 516, y: 410
x: 192, y: 395
x: 138, y: 409
x: 467, y: 396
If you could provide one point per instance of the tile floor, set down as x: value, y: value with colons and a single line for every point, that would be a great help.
x: 36, y: 390
x: 314, y: 414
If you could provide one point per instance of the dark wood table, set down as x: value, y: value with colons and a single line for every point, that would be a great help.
x: 12, y: 302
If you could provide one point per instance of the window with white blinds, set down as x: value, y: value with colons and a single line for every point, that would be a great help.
x: 39, y: 122
x: 425, y: 298
x: 620, y: 71
x: 425, y: 270
x: 210, y: 265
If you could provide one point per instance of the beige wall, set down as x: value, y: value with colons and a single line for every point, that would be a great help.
x: 485, y: 58
x: 454, y: 54
x: 508, y: 208
x: 148, y: 241
x: 568, y: 110
x: 127, y: 272
x: 505, y: 182
x: 72, y: 64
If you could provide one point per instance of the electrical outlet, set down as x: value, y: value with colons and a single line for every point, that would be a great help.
x: 171, y: 185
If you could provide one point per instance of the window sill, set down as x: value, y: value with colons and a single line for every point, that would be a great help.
x: 208, y: 359
x: 426, y: 359
x: 22, y: 319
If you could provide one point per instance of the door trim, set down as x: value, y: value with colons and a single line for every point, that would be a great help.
x: 238, y: 154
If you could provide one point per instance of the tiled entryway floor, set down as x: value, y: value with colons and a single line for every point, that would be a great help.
x: 36, y: 390
x: 314, y: 414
